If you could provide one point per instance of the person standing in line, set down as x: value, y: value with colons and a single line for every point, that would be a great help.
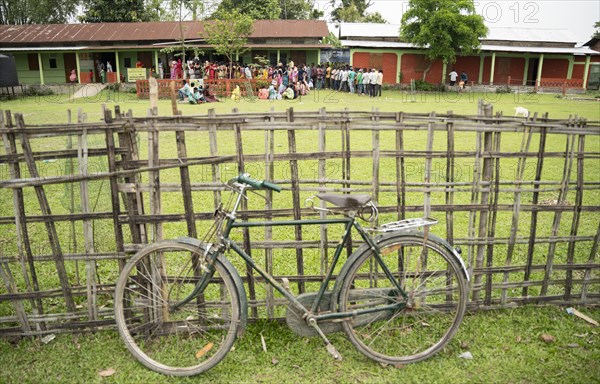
x: 109, y: 67
x: 366, y: 82
x: 379, y: 82
x: 328, y: 76
x: 344, y: 80
x: 351, y: 78
x: 453, y: 76
x: 359, y: 82
x: 373, y: 81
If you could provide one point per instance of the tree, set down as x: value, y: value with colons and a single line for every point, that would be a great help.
x: 16, y: 12
x: 444, y: 27
x: 229, y: 35
x: 270, y: 9
x: 105, y: 11
x: 256, y: 9
x: 354, y: 11
x: 596, y: 34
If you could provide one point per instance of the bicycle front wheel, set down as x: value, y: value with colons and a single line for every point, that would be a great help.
x: 407, y: 325
x: 188, y: 340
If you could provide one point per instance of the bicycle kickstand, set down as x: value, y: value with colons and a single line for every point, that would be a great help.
x: 330, y: 348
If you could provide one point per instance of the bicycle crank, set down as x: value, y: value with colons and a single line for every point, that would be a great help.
x: 330, y: 348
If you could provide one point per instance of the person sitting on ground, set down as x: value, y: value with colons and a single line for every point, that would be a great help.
x: 289, y: 93
x: 273, y: 94
x: 208, y: 96
x: 194, y: 98
x: 184, y: 91
x: 236, y: 94
x: 263, y: 94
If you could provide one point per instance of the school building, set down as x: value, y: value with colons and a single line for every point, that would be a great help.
x: 46, y: 54
x: 513, y: 56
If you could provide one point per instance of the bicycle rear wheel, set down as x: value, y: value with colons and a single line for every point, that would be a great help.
x: 422, y: 322
x: 182, y: 342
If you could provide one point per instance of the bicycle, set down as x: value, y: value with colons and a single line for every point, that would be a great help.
x: 399, y: 297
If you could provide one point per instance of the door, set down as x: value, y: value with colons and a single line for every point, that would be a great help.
x: 70, y: 64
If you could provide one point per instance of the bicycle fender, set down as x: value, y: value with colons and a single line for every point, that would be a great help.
x: 365, y: 247
x: 239, y: 284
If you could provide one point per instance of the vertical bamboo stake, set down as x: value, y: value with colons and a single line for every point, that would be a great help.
x: 493, y: 209
x: 246, y: 233
x: 376, y: 153
x: 562, y: 195
x: 114, y: 188
x: 450, y: 180
x: 322, y: 175
x: 534, y: 214
x: 23, y: 243
x: 212, y: 137
x: 88, y: 234
x: 400, y: 168
x: 154, y: 177
x: 576, y: 215
x: 521, y: 162
x: 53, y: 238
x: 428, y: 167
x: 70, y: 169
x: 587, y: 278
x: 269, y: 175
x: 295, y: 196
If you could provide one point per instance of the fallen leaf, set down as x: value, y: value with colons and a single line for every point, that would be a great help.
x: 48, y: 338
x: 466, y: 355
x: 573, y: 345
x: 263, y: 342
x: 518, y: 339
x: 546, y: 338
x: 204, y: 350
x: 399, y: 366
x: 274, y: 361
x: 464, y: 345
x: 107, y: 372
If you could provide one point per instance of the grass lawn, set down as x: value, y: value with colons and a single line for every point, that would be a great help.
x: 505, y: 344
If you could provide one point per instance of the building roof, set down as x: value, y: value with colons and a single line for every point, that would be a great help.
x: 150, y: 31
x: 374, y: 30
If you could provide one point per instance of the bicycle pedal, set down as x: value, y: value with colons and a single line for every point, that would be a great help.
x: 333, y: 352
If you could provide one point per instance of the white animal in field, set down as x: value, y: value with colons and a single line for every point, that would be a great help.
x: 521, y: 111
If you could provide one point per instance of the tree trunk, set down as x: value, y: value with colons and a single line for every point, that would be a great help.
x: 427, y: 69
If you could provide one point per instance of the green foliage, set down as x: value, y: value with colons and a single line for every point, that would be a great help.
x: 38, y: 90
x: 270, y: 9
x: 424, y: 86
x: 106, y: 11
x: 596, y: 34
x: 504, y: 89
x: 445, y: 27
x: 172, y: 10
x: 355, y: 11
x: 16, y: 12
x: 229, y: 35
x: 332, y: 40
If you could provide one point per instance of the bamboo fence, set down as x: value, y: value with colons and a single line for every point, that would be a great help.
x: 519, y: 196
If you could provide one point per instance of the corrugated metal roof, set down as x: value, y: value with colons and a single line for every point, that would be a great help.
x: 356, y: 30
x: 375, y: 44
x: 151, y: 31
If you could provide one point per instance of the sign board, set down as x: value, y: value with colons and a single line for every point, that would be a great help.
x: 341, y: 56
x: 134, y: 74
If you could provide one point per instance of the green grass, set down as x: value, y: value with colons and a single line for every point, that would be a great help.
x: 505, y: 345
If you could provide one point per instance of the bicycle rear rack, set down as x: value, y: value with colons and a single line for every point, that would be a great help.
x: 404, y: 225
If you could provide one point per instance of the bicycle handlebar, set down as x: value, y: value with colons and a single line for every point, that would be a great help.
x: 246, y: 179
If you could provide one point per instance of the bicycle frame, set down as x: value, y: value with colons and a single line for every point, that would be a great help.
x: 349, y: 222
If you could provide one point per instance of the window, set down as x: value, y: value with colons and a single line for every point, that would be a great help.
x: 127, y: 62
x: 52, y: 63
x: 32, y: 59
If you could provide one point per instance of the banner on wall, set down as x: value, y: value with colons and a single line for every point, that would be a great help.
x: 134, y: 74
x: 341, y: 56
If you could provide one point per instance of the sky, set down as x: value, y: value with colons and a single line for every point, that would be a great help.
x: 578, y: 16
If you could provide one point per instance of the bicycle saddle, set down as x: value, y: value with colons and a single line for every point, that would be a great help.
x: 345, y: 201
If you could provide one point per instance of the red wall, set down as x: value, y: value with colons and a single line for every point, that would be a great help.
x: 509, y: 66
x: 388, y: 62
x: 555, y: 68
x: 578, y: 69
x: 469, y: 64
x: 413, y: 67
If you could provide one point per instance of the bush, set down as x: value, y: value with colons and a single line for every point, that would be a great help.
x: 38, y: 90
x: 113, y: 87
x: 504, y: 89
x: 424, y: 86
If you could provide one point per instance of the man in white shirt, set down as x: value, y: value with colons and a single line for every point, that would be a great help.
x: 453, y: 76
x: 379, y: 83
x: 344, y: 82
x: 373, y: 82
x: 367, y: 82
